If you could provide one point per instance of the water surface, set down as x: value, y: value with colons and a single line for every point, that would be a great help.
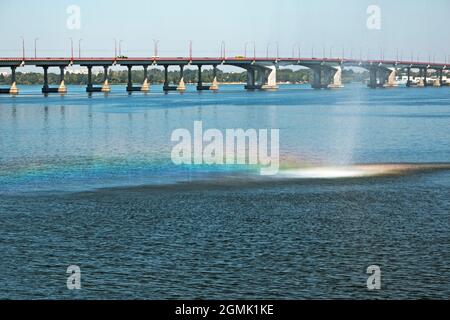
x: 88, y: 180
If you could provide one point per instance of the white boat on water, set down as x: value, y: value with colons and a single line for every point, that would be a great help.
x: 417, y: 81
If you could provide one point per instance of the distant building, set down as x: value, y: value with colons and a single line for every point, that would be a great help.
x: 76, y: 71
x: 83, y: 71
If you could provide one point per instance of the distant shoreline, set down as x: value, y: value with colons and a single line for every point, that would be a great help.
x: 156, y: 76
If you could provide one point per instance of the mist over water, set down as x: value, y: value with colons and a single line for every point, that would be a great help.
x: 78, y: 142
x: 364, y: 180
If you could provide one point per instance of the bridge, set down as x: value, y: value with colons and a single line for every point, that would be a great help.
x: 261, y: 72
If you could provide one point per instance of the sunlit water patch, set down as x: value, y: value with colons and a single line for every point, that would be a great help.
x: 359, y: 171
x: 364, y: 179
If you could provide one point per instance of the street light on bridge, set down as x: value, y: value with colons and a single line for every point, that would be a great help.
x: 296, y: 46
x: 155, y: 48
x: 245, y: 48
x: 277, y: 44
x: 223, y: 50
x: 190, y: 50
x: 23, y: 47
x: 267, y: 50
x: 35, y: 46
x: 71, y: 48
x: 278, y: 49
x: 120, y: 47
x: 79, y: 48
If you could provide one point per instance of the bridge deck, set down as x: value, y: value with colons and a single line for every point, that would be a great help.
x: 139, y: 61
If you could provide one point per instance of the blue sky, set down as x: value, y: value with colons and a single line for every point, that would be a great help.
x: 412, y: 26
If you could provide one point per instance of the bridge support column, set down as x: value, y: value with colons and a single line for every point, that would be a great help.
x: 270, y: 78
x: 251, y: 79
x: 390, y: 81
x: 145, y: 87
x: 421, y: 82
x: 215, y: 83
x: 441, y: 78
x: 373, y: 82
x: 62, y: 88
x: 200, y: 85
x: 13, y: 89
x: 437, y: 82
x: 181, y: 85
x: 317, y: 78
x: 408, y: 82
x: 105, y: 88
x: 166, y: 78
x: 425, y: 77
x: 260, y: 77
x: 45, y: 88
x: 89, y: 87
x: 200, y: 81
x: 130, y: 80
x: 335, y: 80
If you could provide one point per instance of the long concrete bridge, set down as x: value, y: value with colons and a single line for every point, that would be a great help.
x: 261, y: 72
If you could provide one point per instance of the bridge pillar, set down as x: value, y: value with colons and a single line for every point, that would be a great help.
x: 145, y: 86
x: 390, y: 78
x: 373, y: 82
x: 200, y: 81
x: 441, y: 78
x: 166, y: 78
x: 335, y: 78
x: 89, y: 87
x: 445, y: 82
x: 270, y: 78
x: 408, y: 82
x: 421, y: 78
x: 251, y: 79
x: 317, y: 78
x: 425, y: 76
x: 62, y: 88
x: 437, y: 82
x: 260, y: 73
x: 13, y: 89
x: 105, y: 87
x: 45, y: 87
x: 200, y: 85
x: 181, y: 85
x: 130, y: 80
x: 215, y: 83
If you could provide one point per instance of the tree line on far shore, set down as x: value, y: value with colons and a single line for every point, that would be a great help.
x: 156, y: 76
